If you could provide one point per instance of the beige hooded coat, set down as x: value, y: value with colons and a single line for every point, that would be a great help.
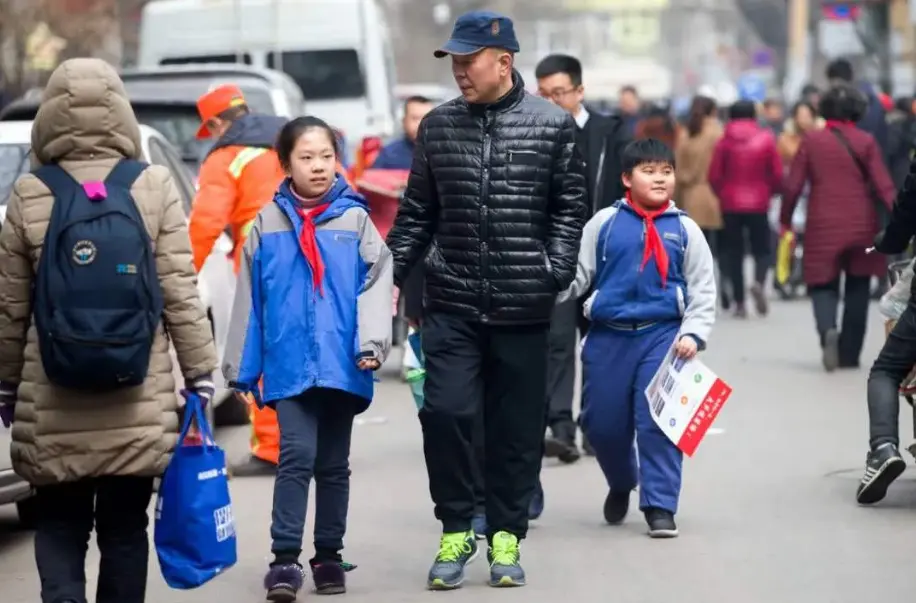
x: 86, y: 124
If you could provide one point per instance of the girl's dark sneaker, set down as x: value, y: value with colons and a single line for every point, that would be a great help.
x: 330, y: 578
x: 661, y: 523
x: 882, y: 466
x: 283, y: 582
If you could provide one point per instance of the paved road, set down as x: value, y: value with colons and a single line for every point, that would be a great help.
x: 767, y: 513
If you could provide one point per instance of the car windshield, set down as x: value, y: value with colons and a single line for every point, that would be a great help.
x: 178, y: 124
x: 14, y: 162
x: 323, y: 74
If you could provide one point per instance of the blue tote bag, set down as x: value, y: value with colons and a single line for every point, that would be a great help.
x: 195, y: 529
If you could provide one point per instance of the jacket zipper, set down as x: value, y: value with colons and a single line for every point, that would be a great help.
x: 601, y: 158
x: 484, y: 249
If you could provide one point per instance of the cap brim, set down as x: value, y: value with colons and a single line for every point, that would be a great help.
x: 203, y: 132
x: 457, y: 47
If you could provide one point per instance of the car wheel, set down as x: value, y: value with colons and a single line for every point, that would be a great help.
x: 27, y: 509
x: 231, y: 412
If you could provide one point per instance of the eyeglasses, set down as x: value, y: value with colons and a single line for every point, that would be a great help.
x: 557, y: 94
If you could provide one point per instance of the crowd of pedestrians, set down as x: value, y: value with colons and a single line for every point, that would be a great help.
x: 514, y: 246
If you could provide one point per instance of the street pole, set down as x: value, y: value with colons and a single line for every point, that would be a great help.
x: 798, y: 69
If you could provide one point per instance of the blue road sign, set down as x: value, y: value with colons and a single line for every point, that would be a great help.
x: 752, y: 88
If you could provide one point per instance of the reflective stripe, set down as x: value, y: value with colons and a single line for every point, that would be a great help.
x: 246, y: 229
x: 245, y: 156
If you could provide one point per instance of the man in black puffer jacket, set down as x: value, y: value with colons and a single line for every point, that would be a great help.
x: 497, y: 197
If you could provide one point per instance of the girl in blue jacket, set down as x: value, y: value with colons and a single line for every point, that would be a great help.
x: 311, y: 321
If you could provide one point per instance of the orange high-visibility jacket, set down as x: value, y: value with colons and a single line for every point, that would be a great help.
x: 238, y: 177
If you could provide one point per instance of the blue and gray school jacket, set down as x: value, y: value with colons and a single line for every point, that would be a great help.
x: 286, y: 331
x: 610, y: 258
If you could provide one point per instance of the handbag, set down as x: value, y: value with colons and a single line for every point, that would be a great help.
x: 195, y: 529
x: 877, y: 199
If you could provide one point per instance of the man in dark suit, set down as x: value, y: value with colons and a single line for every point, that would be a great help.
x: 601, y: 139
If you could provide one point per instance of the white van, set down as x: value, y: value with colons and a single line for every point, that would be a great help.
x: 338, y: 51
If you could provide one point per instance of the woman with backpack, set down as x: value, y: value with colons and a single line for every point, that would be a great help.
x: 96, y: 279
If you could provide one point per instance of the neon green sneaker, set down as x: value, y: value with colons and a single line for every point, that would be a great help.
x: 456, y: 550
x: 503, y: 556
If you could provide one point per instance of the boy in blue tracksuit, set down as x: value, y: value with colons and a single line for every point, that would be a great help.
x: 310, y: 322
x: 654, y: 287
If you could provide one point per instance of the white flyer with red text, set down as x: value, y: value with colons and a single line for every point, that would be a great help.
x: 685, y: 397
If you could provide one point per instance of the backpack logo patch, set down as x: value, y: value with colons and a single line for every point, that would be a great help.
x: 84, y: 252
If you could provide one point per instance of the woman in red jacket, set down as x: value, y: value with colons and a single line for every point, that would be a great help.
x: 851, y: 192
x: 745, y: 173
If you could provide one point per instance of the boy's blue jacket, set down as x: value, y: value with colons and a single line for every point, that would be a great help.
x: 625, y: 293
x: 285, y: 331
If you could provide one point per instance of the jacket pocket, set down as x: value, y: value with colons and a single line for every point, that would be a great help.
x: 681, y: 302
x: 522, y: 168
x: 548, y: 266
x: 434, y: 261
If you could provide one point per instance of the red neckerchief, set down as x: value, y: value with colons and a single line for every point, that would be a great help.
x: 833, y: 123
x: 654, y: 245
x: 309, y: 244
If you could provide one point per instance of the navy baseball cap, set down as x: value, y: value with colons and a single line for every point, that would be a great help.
x: 477, y: 30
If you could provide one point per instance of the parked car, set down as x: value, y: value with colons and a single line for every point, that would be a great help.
x: 339, y: 52
x: 216, y: 281
x: 165, y: 98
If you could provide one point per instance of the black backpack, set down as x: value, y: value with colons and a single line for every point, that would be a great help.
x: 96, y: 301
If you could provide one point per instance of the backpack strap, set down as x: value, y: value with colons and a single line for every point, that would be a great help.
x: 125, y: 173
x: 57, y: 179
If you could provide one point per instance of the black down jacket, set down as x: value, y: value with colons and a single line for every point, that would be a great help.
x: 497, y: 196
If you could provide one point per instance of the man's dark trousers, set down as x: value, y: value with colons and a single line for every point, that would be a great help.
x: 561, y: 370
x: 502, y: 369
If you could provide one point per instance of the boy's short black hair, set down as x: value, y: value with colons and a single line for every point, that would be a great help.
x: 645, y: 150
x: 560, y: 63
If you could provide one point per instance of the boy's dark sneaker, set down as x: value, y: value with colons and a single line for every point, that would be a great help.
x: 661, y: 523
x: 830, y: 352
x: 330, y: 578
x: 882, y: 467
x: 456, y: 550
x: 616, y: 506
x: 283, y: 582
x: 503, y: 555
x: 479, y: 525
